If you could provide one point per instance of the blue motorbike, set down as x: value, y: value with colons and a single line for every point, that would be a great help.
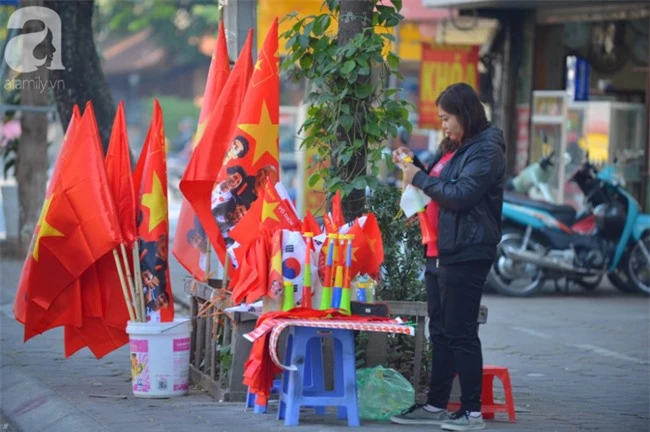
x: 544, y: 242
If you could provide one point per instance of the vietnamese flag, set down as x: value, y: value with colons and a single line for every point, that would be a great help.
x: 106, y: 331
x: 77, y: 226
x: 118, y: 171
x: 190, y: 241
x: 198, y: 182
x: 337, y: 210
x: 255, y: 140
x: 153, y: 224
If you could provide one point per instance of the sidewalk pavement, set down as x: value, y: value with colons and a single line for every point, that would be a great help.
x: 42, y: 391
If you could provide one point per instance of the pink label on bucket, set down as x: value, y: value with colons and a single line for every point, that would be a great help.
x: 181, y: 344
x: 178, y: 387
x: 139, y: 346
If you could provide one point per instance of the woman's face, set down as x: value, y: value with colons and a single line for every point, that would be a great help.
x: 450, y: 125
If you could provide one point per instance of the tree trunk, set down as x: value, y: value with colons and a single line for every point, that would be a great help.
x: 83, y: 78
x: 355, y: 16
x: 31, y: 156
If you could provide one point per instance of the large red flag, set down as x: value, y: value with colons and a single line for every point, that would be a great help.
x: 256, y: 136
x: 198, y: 182
x: 190, y: 242
x: 153, y: 224
x: 77, y: 226
x: 106, y: 332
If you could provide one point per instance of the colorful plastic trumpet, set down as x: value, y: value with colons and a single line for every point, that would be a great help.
x: 289, y: 301
x: 347, y: 280
x: 338, y: 278
x: 306, y: 285
x: 326, y: 295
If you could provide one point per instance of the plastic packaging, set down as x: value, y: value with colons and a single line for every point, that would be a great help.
x: 382, y: 393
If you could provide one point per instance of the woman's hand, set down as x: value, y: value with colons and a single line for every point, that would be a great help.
x: 400, y: 153
x: 409, y: 171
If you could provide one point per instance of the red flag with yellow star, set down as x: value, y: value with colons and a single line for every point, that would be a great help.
x: 190, y: 242
x: 255, y: 138
x: 198, y: 182
x: 77, y: 226
x: 105, y: 315
x: 153, y: 224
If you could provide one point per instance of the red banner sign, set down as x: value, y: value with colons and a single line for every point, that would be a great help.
x: 443, y: 65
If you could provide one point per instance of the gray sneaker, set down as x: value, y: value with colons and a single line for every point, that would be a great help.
x: 417, y: 415
x: 462, y: 421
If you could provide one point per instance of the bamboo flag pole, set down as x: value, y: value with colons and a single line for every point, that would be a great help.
x: 123, y: 283
x: 207, y: 264
x: 138, y: 282
x: 226, y: 264
x: 129, y: 279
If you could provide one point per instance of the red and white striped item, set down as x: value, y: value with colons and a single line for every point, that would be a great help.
x: 281, y: 324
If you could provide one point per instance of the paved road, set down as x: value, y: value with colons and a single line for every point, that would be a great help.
x: 577, y: 362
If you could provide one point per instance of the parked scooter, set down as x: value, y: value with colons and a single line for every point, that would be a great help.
x: 533, y: 180
x: 539, y: 244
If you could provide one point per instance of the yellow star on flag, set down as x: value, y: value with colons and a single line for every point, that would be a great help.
x: 156, y: 202
x: 354, y: 254
x: 258, y: 64
x: 265, y: 134
x: 268, y: 211
x: 371, y: 243
x: 44, y: 228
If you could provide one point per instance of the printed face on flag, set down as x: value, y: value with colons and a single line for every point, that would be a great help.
x: 253, y: 153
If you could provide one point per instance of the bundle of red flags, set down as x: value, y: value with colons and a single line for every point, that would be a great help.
x: 77, y: 269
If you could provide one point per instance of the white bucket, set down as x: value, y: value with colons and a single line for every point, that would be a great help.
x: 160, y: 358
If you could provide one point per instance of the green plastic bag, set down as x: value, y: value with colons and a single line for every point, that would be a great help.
x: 382, y: 393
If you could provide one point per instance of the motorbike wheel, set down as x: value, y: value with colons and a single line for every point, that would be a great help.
x: 515, y: 279
x: 621, y: 282
x: 637, y: 265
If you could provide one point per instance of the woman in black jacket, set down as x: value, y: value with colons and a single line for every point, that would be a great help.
x: 465, y: 182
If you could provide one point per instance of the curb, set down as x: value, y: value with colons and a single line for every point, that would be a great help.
x: 30, y: 406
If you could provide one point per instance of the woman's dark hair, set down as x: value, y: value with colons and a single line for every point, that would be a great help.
x: 462, y: 101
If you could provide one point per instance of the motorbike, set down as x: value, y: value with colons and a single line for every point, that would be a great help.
x: 545, y: 242
x: 533, y: 180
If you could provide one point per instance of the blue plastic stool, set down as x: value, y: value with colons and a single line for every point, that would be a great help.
x: 315, y: 359
x: 306, y: 386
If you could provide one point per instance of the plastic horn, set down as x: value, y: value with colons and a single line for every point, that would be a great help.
x: 346, y: 291
x: 338, y: 278
x: 326, y: 295
x: 289, y: 301
x: 306, y: 285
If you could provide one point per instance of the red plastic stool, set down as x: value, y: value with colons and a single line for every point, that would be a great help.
x: 488, y: 407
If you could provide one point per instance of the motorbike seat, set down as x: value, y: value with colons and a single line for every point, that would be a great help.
x: 564, y: 213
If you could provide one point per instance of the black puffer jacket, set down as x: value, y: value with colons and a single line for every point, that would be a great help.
x: 470, y: 194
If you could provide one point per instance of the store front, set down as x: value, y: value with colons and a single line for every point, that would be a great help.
x: 609, y: 120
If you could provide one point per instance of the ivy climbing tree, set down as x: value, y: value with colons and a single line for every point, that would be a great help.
x: 350, y: 110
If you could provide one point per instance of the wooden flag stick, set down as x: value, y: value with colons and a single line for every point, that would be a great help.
x: 139, y: 295
x: 207, y: 264
x: 123, y: 283
x: 226, y: 264
x: 129, y: 279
